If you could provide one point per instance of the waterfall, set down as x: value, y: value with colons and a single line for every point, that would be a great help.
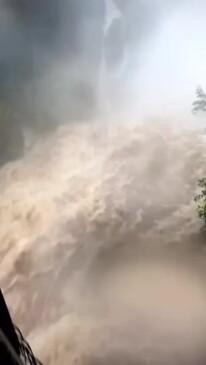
x: 109, y: 76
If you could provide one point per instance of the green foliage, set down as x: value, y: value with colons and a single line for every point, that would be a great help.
x: 201, y: 199
x: 199, y: 105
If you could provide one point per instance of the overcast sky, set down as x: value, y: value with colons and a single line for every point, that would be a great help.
x: 173, y: 60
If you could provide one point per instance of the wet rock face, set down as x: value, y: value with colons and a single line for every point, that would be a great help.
x: 56, y: 25
x: 11, y: 141
x: 43, y: 33
x: 35, y: 37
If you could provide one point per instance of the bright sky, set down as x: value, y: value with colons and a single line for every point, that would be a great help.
x: 172, y: 63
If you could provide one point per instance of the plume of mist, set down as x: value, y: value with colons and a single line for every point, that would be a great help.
x: 51, y: 66
x: 69, y: 60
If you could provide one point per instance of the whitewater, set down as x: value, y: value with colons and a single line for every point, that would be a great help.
x: 102, y: 255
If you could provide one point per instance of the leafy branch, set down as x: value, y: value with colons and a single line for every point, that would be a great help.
x: 201, y: 199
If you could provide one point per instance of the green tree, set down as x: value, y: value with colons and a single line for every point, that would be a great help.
x: 201, y: 199
x: 199, y: 105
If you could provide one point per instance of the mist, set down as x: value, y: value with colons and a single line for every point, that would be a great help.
x: 102, y: 250
x: 69, y: 62
x: 165, y: 66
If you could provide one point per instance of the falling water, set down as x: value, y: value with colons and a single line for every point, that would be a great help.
x: 102, y: 252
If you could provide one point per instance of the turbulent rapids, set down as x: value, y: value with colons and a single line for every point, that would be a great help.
x: 102, y: 255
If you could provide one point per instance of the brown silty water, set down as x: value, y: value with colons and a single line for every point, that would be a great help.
x: 102, y: 255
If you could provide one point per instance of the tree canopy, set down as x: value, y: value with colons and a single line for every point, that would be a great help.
x: 199, y: 105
